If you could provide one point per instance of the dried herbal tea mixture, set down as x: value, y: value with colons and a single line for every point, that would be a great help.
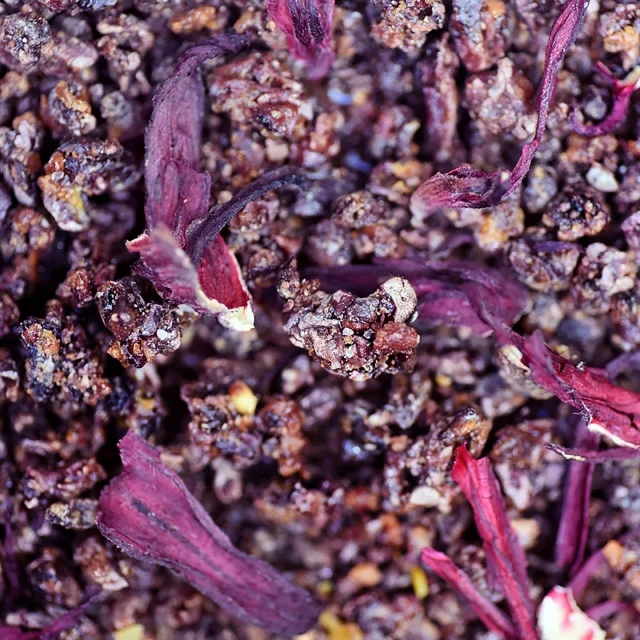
x: 319, y: 320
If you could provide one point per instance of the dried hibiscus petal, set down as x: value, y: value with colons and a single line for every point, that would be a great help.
x: 148, y: 512
x: 448, y: 292
x: 483, y: 608
x: 307, y: 25
x: 182, y: 253
x: 560, y: 617
x: 504, y: 553
x: 60, y: 624
x: 468, y: 187
x: 621, y: 90
x: 607, y: 409
x: 571, y: 540
x: 191, y: 263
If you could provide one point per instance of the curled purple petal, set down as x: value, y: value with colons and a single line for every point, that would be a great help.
x: 216, y: 287
x: 172, y: 139
x: 182, y: 253
x: 621, y: 92
x: 580, y: 580
x: 467, y: 187
x: 627, y: 362
x: 606, y: 408
x: 307, y: 25
x: 611, y: 608
x: 148, y: 512
x: 448, y: 293
x: 200, y: 232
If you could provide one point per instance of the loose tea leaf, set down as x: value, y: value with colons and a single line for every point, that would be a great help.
x: 148, y: 512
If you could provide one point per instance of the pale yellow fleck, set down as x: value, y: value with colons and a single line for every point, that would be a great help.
x: 613, y: 552
x: 443, y: 381
x: 132, y: 632
x: 338, y: 630
x: 419, y: 582
x: 325, y: 588
x: 242, y: 398
x: 366, y: 574
x: 330, y: 621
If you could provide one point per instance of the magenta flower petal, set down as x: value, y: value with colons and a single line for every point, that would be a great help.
x: 307, y: 25
x: 60, y: 624
x: 467, y: 187
x: 148, y: 513
x: 490, y: 615
x: 621, y: 92
x: 504, y: 553
x: 571, y: 540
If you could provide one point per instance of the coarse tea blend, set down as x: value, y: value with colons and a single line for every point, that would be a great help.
x: 319, y: 320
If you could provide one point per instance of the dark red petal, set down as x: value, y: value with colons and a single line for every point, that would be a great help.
x: 504, y: 553
x: 307, y: 25
x: 580, y: 580
x: 175, y: 130
x: 467, y: 187
x: 607, y: 409
x: 594, y: 457
x: 492, y: 617
x: 621, y: 93
x: 571, y: 540
x: 203, y: 230
x: 60, y: 624
x: 215, y: 288
x: 148, y: 512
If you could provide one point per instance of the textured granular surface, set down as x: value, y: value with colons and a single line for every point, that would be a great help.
x: 322, y: 440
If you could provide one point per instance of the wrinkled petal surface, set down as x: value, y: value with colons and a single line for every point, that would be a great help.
x: 307, y: 25
x: 148, y: 513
